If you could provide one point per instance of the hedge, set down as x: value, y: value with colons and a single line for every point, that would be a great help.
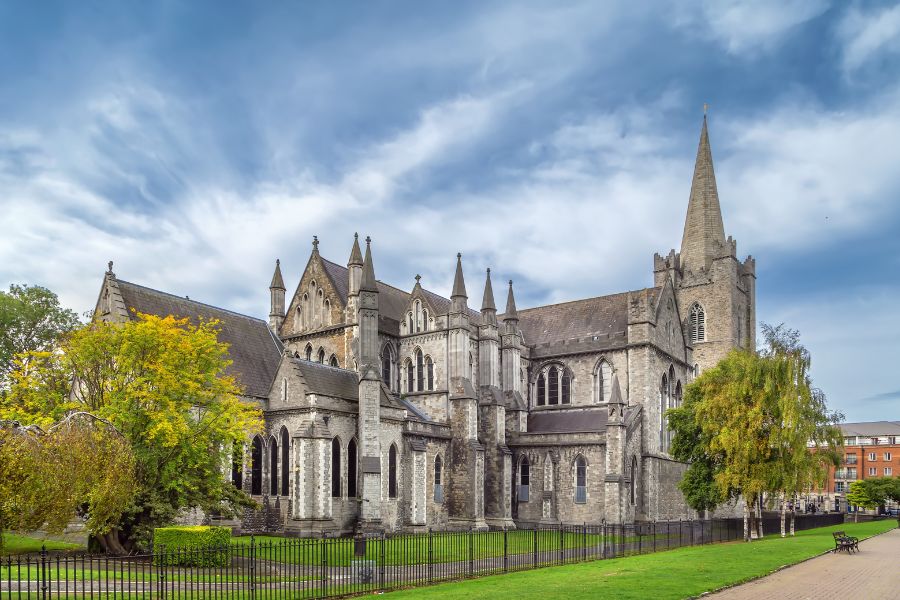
x: 198, y: 546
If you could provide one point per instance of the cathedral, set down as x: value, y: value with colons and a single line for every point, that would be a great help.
x: 401, y: 410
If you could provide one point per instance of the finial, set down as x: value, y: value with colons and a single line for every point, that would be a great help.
x: 418, y: 277
x: 368, y: 240
x: 459, y: 255
x: 489, y: 270
x: 355, y: 235
x: 109, y: 267
x: 705, y: 108
x: 510, y: 283
x: 315, y: 242
x: 277, y: 261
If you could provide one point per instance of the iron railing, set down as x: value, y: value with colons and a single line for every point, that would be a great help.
x: 325, y: 567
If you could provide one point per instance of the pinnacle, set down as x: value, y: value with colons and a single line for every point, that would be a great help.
x: 511, y: 313
x: 356, y: 259
x: 488, y: 302
x: 459, y: 283
x: 368, y: 282
x: 277, y: 280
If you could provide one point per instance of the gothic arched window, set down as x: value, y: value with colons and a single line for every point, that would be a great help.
x: 541, y: 390
x: 565, y: 386
x: 524, y: 479
x: 237, y: 466
x: 322, y: 355
x: 387, y: 359
x: 285, y: 462
x: 392, y: 471
x: 429, y: 373
x: 256, y: 460
x: 633, y: 476
x: 418, y: 316
x: 663, y: 406
x: 273, y: 466
x: 420, y: 366
x: 333, y: 361
x: 553, y: 385
x: 604, y: 381
x: 438, y: 486
x: 335, y: 468
x: 697, y: 319
x: 409, y: 320
x: 409, y: 375
x: 308, y: 352
x: 351, y: 469
x: 424, y: 320
x: 580, y: 480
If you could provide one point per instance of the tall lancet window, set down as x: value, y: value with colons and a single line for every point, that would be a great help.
x: 387, y: 359
x: 697, y: 319
x: 429, y: 373
x: 418, y: 316
x: 420, y: 366
x: 335, y: 468
x: 541, y: 390
x: 285, y: 462
x: 409, y: 376
x: 553, y: 384
x: 351, y: 469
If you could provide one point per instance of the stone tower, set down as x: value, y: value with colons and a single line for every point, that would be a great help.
x: 276, y: 294
x: 369, y: 397
x: 716, y: 292
x: 615, y: 456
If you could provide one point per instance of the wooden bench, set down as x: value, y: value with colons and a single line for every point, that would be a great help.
x: 843, y: 541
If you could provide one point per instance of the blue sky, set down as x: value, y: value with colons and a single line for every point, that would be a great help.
x: 195, y: 142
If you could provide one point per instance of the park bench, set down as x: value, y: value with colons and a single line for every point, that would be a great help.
x: 843, y: 541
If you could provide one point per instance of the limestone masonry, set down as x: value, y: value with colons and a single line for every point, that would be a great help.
x: 393, y: 410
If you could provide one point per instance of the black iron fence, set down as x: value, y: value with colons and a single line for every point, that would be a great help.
x: 274, y: 568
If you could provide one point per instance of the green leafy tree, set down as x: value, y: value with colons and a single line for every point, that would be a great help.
x: 31, y: 319
x: 161, y: 382
x: 862, y: 493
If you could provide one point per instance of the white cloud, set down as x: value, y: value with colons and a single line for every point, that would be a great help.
x: 748, y: 27
x: 867, y: 34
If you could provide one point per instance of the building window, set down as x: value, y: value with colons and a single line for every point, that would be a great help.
x: 409, y: 320
x: 334, y: 361
x: 237, y: 466
x: 633, y: 478
x: 663, y: 406
x: 256, y: 460
x: 580, y: 480
x: 392, y: 472
x: 424, y: 320
x: 604, y: 380
x: 273, y: 466
x: 284, y: 385
x: 887, y: 456
x: 351, y: 469
x: 438, y: 487
x: 387, y: 359
x: 322, y: 355
x: 541, y: 390
x: 429, y: 373
x: 298, y: 319
x: 838, y: 486
x: 553, y: 385
x: 420, y: 379
x: 698, y: 323
x: 409, y: 375
x: 851, y: 473
x: 873, y: 471
x: 872, y: 456
x: 888, y: 471
x: 335, y: 468
x: 308, y: 352
x: 850, y: 459
x: 524, y: 479
x: 285, y: 462
x: 565, y: 385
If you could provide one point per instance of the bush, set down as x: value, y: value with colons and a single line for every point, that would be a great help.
x: 199, y: 546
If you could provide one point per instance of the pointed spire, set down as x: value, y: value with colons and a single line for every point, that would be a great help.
x: 511, y: 313
x: 488, y: 302
x: 368, y: 282
x: 615, y: 394
x: 459, y: 284
x: 277, y: 280
x: 703, y: 228
x: 356, y: 259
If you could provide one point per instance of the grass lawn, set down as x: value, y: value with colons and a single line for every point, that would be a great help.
x: 414, y: 549
x: 673, y: 574
x: 14, y: 543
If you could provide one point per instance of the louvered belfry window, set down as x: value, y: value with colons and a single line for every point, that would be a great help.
x: 698, y: 323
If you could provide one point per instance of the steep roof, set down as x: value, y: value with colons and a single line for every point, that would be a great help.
x: 253, y: 349
x: 871, y: 428
x: 704, y: 232
x: 325, y: 380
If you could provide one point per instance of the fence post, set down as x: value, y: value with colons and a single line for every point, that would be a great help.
x: 43, y: 571
x: 471, y: 553
x: 584, y: 541
x: 561, y: 555
x: 505, y: 551
x: 533, y: 548
x: 381, y: 560
x: 430, y: 556
x: 324, y: 560
x: 603, y: 538
x: 252, y: 566
x: 691, y: 522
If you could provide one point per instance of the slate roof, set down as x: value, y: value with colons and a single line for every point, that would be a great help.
x: 253, y: 349
x: 603, y: 315
x: 567, y: 421
x: 326, y: 380
x: 871, y: 428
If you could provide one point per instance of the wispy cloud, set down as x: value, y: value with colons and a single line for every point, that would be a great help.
x: 867, y: 34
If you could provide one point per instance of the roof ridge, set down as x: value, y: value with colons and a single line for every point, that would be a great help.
x: 521, y: 310
x: 393, y: 287
x: 183, y: 298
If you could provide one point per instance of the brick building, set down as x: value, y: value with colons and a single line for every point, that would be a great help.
x: 870, y: 450
x: 389, y: 408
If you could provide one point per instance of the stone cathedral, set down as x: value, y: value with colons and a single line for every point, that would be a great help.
x: 389, y: 409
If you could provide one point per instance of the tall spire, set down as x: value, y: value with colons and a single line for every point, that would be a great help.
x: 277, y: 280
x: 356, y: 259
x: 368, y: 282
x: 704, y: 232
x: 488, y: 302
x: 459, y: 284
x: 511, y: 312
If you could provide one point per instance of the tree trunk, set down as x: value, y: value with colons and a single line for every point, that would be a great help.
x: 783, y: 513
x: 793, y: 516
x: 111, y: 544
x: 746, y: 520
x: 759, y: 521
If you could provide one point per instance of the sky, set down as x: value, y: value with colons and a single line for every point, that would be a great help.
x: 193, y: 143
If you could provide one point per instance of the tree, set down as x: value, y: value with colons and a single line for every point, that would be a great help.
x: 161, y: 382
x: 862, y: 493
x: 47, y: 477
x: 31, y: 319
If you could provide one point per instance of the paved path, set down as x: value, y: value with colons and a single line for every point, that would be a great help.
x: 872, y: 573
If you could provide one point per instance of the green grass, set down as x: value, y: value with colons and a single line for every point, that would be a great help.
x: 414, y: 549
x: 23, y: 544
x: 673, y: 574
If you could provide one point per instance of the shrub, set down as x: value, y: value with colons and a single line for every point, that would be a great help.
x: 199, y: 546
